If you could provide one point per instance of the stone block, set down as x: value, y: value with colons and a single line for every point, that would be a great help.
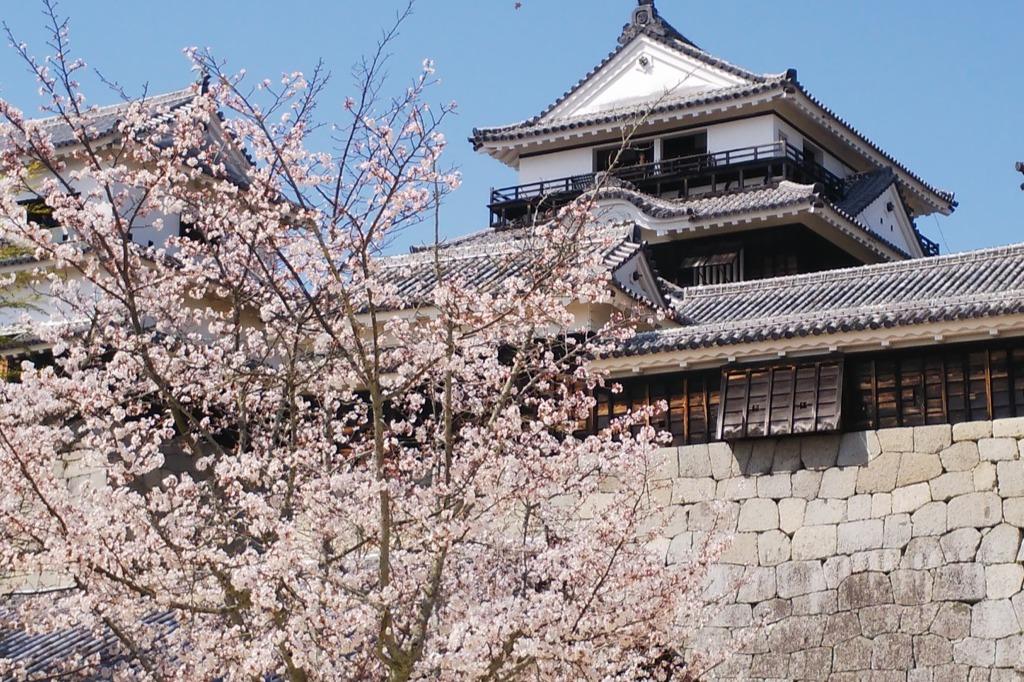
x: 723, y: 463
x: 1000, y: 545
x: 823, y: 512
x: 892, y: 652
x: 994, y: 620
x: 1013, y: 512
x: 878, y: 560
x: 774, y: 486
x: 666, y: 464
x: 838, y: 483
x: 865, y: 589
x: 858, y: 508
x: 770, y: 666
x: 881, y: 505
x: 694, y: 461
x: 960, y: 456
x: 690, y: 490
x: 932, y: 439
x: 756, y: 585
x: 732, y: 616
x: 931, y: 650
x: 1010, y: 476
x: 1008, y: 428
x: 974, y: 651
x: 952, y: 484
x: 911, y: 498
x: 742, y: 550
x: 997, y: 449
x: 922, y: 553
x: 791, y: 514
x: 953, y: 621
x: 836, y: 569
x: 917, y: 620
x: 787, y: 456
x: 811, y: 664
x: 796, y: 633
x: 1002, y: 581
x: 758, y: 515
x: 853, y: 654
x: 722, y: 582
x: 773, y: 610
x: 857, y: 449
x: 1010, y: 653
x: 984, y: 477
x: 841, y: 627
x: 799, y: 577
x: 959, y: 582
x: 658, y: 547
x: 819, y: 452
x: 978, y: 510
x: 930, y: 519
x: 815, y: 603
x: 737, y: 488
x: 911, y: 588
x: 896, y: 440
x: 773, y: 548
x: 972, y: 431
x: 960, y: 545
x: 917, y: 467
x: 806, y: 484
x: 879, y: 476
x: 879, y: 620
x: 680, y: 549
x: 897, y: 531
x: 856, y: 536
x: 814, y: 542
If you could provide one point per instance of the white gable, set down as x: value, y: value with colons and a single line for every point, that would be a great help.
x: 645, y: 70
x: 886, y: 217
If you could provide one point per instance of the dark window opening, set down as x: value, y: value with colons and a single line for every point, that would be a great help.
x: 633, y: 154
x: 686, y: 145
x: 812, y: 154
x: 36, y: 211
x: 691, y: 399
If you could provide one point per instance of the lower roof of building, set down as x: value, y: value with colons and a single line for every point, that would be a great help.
x: 969, y: 285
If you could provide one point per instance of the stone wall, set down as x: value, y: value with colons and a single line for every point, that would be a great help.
x: 881, y: 555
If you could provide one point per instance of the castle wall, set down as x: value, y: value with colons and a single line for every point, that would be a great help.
x: 882, y: 555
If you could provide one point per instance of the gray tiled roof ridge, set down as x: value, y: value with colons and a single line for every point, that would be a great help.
x: 854, y: 272
x: 480, y: 244
x: 101, y: 110
x: 536, y: 125
x: 798, y: 194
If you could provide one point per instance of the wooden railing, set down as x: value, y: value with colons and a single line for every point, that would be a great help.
x: 778, y: 159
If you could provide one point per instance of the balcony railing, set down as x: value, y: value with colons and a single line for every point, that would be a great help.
x: 684, y: 176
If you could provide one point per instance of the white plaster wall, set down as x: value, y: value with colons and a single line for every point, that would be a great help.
x: 893, y: 225
x: 796, y: 138
x: 556, y: 165
x: 745, y: 133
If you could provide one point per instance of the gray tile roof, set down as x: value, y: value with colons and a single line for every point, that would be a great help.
x: 485, y: 259
x: 864, y: 188
x: 12, y: 254
x: 103, y: 121
x: 50, y: 653
x: 784, y: 194
x: 970, y: 285
x: 538, y: 126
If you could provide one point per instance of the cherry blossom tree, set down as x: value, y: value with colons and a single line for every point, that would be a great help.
x: 258, y: 450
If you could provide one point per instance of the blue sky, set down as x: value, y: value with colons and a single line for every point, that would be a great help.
x: 936, y: 83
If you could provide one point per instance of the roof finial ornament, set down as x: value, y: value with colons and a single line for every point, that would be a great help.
x: 645, y: 19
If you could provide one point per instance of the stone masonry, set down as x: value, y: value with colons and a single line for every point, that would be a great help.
x: 880, y: 555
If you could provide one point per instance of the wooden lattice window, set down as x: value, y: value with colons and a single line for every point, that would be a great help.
x: 691, y: 399
x: 781, y: 399
x: 944, y: 386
